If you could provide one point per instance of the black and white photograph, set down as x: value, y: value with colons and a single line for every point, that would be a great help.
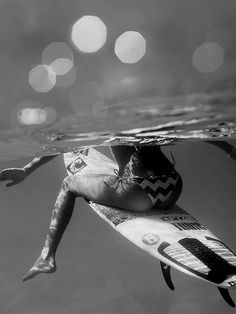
x: 117, y: 156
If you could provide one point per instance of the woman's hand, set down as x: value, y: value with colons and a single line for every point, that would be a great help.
x: 15, y: 175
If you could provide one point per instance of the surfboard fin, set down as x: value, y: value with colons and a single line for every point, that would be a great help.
x: 166, y: 274
x: 226, y: 296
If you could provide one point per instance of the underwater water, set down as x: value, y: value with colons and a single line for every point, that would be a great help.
x: 99, y: 271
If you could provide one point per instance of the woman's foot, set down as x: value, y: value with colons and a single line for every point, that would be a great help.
x: 41, y: 266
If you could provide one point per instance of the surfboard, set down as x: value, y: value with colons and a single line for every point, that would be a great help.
x: 172, y: 235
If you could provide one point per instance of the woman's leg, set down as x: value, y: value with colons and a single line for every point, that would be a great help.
x: 60, y: 218
x: 90, y: 186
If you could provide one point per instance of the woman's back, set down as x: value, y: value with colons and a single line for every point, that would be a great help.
x: 149, y: 158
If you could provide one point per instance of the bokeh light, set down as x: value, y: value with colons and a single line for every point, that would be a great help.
x: 36, y: 116
x: 89, y: 34
x: 59, y: 56
x: 51, y: 115
x: 42, y: 78
x: 208, y: 57
x: 31, y: 116
x: 61, y: 66
x: 32, y: 113
x: 84, y: 95
x: 130, y: 47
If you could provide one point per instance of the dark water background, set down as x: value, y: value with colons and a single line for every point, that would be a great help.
x: 98, y: 270
x: 165, y: 100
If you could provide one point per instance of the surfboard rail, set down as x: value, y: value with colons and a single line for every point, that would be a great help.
x: 173, y: 236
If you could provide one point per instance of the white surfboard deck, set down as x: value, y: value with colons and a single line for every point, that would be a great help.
x: 172, y: 235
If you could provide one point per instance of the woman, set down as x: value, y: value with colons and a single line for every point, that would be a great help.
x: 145, y: 178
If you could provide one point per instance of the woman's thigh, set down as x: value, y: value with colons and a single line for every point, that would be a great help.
x: 97, y: 188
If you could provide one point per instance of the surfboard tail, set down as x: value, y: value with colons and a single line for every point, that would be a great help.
x: 166, y: 274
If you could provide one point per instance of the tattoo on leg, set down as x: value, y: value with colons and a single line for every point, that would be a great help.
x: 60, y: 218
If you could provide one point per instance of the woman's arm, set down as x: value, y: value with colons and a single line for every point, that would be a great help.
x: 37, y: 162
x: 17, y: 175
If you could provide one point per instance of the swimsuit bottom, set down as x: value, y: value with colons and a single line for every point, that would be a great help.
x: 161, y: 189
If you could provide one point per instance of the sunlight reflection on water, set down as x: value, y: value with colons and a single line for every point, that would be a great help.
x: 146, y: 121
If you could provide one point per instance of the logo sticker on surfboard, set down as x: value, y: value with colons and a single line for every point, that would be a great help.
x: 150, y: 238
x: 80, y: 152
x: 77, y: 165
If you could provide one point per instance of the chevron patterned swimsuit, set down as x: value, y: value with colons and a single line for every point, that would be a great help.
x: 161, y: 189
